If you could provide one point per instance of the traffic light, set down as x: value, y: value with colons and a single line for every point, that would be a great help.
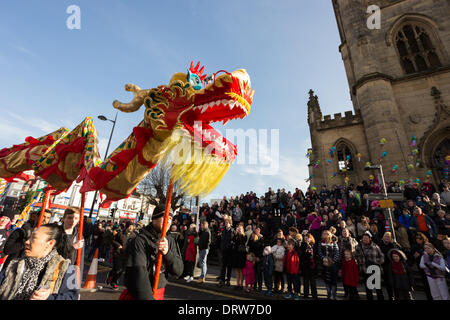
x: 112, y: 211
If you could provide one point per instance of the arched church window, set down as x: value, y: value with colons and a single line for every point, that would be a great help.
x: 416, y: 48
x: 439, y: 155
x: 345, y: 158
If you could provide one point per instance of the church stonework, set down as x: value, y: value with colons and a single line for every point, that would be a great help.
x: 399, y: 79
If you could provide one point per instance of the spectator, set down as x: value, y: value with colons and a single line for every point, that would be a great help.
x: 291, y: 266
x: 386, y: 245
x: 401, y: 235
x: 204, y: 242
x: 46, y: 254
x: 189, y: 252
x: 434, y: 266
x: 363, y: 226
x: 405, y: 219
x: 278, y: 252
x: 399, y: 275
x: 350, y: 276
x: 329, y: 274
x: 249, y: 272
x: 423, y: 223
x: 347, y: 242
x: 226, y: 248
x: 70, y: 221
x: 119, y: 246
x: 368, y: 253
x: 268, y: 266
x: 256, y: 246
x: 239, y: 256
x: 350, y: 226
x: 15, y: 245
x: 445, y: 194
x: 308, y: 266
x: 328, y: 247
x: 5, y: 219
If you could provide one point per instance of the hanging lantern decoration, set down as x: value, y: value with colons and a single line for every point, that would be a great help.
x: 447, y: 160
x: 314, y: 188
x: 415, y: 151
x: 317, y: 164
x: 410, y: 166
x: 332, y: 150
x: 348, y: 157
x: 359, y: 157
x: 382, y: 141
x: 329, y: 161
x: 429, y: 173
x: 371, y: 177
x: 401, y: 182
x: 417, y: 181
x: 309, y: 153
x: 334, y: 175
x: 347, y: 179
x: 384, y: 154
x: 413, y: 141
x: 394, y: 169
x: 368, y: 164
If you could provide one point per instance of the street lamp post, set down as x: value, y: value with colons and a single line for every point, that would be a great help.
x: 103, y: 118
x: 385, y: 195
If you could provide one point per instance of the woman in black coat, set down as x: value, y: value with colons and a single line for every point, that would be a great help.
x: 400, y: 275
x: 239, y: 256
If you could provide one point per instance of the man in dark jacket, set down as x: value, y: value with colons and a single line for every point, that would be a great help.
x: 226, y: 249
x: 119, y: 244
x: 141, y: 259
x: 203, y: 248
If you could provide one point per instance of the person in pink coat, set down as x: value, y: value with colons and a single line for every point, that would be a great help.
x: 249, y: 272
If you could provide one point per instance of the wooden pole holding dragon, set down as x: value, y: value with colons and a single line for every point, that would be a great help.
x: 163, y: 235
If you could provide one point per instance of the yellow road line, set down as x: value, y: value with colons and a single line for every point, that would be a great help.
x: 208, y: 291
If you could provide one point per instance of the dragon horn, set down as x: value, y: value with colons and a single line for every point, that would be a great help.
x: 196, y: 67
x: 201, y: 70
x: 137, y: 101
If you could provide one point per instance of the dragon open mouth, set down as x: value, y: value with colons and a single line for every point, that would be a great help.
x: 228, y: 97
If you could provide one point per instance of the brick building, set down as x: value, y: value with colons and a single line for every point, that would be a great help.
x: 399, y: 80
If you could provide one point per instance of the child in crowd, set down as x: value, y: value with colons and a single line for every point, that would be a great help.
x: 268, y: 265
x: 329, y: 275
x: 249, y: 271
x: 350, y: 276
x: 291, y: 266
x: 278, y: 251
x: 400, y: 275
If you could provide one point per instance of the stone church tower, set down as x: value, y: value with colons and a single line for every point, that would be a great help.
x: 399, y: 79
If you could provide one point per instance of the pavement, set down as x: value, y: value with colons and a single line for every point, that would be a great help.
x: 179, y: 289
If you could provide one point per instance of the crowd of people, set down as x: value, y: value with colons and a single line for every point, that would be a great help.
x: 288, y: 240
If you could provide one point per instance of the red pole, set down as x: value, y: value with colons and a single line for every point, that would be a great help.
x: 80, y: 235
x: 163, y: 235
x: 48, y: 199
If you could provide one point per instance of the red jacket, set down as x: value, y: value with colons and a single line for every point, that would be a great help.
x: 350, y: 273
x: 291, y: 262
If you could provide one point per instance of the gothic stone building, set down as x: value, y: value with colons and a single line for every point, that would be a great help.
x: 399, y: 79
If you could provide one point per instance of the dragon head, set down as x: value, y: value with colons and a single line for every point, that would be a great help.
x: 180, y: 115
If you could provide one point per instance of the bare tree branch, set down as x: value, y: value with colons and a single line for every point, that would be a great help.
x: 154, y: 187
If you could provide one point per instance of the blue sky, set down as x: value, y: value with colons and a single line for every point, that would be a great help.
x: 52, y: 76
